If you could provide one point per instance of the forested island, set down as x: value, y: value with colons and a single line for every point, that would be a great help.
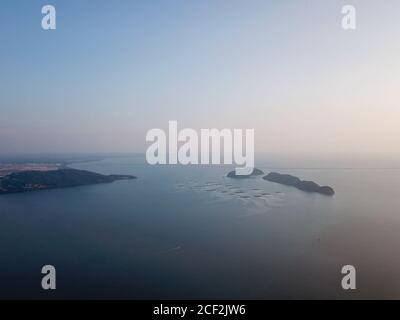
x: 307, y: 186
x: 24, y: 181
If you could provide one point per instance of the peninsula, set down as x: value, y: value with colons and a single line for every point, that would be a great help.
x: 23, y: 181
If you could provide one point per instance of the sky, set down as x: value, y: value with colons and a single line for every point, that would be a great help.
x: 112, y: 70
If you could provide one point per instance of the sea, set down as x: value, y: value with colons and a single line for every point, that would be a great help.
x: 190, y: 232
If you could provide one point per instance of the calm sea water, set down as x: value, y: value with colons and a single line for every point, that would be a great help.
x: 190, y: 232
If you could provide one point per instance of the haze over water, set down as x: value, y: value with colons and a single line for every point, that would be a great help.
x: 191, y: 232
x: 113, y: 70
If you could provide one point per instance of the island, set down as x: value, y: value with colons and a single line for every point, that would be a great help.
x: 23, y: 181
x: 307, y: 186
x: 256, y: 172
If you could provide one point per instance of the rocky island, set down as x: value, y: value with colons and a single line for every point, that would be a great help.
x: 256, y: 172
x: 307, y: 186
x: 23, y: 181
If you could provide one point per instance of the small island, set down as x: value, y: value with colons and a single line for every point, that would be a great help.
x: 256, y: 172
x: 24, y: 181
x: 307, y: 186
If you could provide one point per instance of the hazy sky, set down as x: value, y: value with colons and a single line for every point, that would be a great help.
x: 115, y: 69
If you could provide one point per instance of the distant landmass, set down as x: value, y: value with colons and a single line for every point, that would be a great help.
x: 307, y: 186
x: 24, y: 181
x: 256, y: 172
x: 8, y: 168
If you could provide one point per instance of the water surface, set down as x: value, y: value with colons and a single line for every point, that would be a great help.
x: 191, y: 232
